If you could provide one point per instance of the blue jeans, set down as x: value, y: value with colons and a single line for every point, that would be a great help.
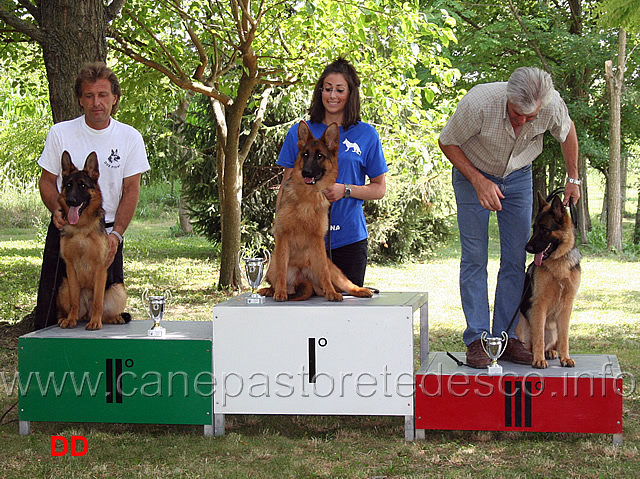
x: 514, y: 223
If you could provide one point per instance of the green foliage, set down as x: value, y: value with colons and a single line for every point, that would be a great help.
x: 399, y: 57
x: 412, y: 218
x: 24, y: 119
x: 21, y: 206
x: 494, y: 40
x: 619, y: 14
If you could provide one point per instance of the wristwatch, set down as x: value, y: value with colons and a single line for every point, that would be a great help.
x: 575, y: 181
x: 347, y: 191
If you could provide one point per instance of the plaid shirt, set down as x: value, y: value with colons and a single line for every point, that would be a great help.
x: 480, y: 126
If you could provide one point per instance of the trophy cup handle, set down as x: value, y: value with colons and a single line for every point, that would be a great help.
x: 168, y: 297
x: 145, y: 301
x: 266, y: 261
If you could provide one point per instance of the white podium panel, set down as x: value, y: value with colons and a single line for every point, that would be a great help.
x: 316, y: 357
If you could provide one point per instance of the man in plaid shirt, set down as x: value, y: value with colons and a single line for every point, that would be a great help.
x: 491, y: 140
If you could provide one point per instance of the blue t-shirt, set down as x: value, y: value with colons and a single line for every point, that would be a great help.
x: 360, y: 155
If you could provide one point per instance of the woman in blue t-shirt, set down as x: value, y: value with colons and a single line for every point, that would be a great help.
x: 336, y: 99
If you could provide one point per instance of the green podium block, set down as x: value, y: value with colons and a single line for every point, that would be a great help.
x: 117, y: 375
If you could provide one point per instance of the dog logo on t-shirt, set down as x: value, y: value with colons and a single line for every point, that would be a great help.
x: 352, y: 146
x: 114, y: 159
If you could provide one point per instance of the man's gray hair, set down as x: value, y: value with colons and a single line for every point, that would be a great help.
x: 529, y: 88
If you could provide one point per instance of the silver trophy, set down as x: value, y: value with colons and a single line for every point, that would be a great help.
x: 494, y: 347
x: 254, y: 270
x: 156, y: 311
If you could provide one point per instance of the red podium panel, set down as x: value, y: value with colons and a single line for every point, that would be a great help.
x: 584, y: 399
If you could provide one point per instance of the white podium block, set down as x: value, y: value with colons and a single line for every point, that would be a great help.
x: 316, y: 357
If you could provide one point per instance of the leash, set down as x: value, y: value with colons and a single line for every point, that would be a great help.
x: 457, y: 361
x: 329, y: 234
x: 54, y: 290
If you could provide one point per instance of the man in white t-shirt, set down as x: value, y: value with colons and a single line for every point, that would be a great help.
x: 122, y: 159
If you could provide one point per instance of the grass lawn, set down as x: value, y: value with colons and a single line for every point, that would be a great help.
x: 605, y: 320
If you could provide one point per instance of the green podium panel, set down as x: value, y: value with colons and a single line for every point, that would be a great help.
x: 117, y: 374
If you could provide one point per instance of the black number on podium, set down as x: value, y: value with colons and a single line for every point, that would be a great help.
x: 322, y: 342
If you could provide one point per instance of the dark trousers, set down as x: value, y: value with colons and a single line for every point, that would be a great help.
x: 52, y: 273
x: 352, y: 260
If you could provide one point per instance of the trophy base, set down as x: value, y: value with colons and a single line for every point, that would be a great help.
x: 158, y: 332
x: 257, y: 299
x: 494, y: 370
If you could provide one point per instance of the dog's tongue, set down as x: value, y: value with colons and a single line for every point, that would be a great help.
x: 73, y: 215
x: 309, y: 181
x: 537, y: 259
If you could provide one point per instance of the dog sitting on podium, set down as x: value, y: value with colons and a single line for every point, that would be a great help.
x: 84, y: 246
x: 302, y: 266
x: 551, y: 283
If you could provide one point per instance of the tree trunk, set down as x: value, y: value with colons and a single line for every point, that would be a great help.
x: 584, y: 220
x: 75, y: 35
x: 539, y: 184
x: 624, y: 164
x: 636, y: 229
x: 615, y: 82
x: 71, y: 33
x: 183, y: 216
x: 232, y: 186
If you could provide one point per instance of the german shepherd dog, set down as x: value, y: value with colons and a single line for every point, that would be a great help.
x: 551, y: 284
x: 84, y: 247
x: 301, y: 223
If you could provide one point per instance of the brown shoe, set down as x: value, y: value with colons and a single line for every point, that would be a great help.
x: 517, y: 353
x: 476, y: 357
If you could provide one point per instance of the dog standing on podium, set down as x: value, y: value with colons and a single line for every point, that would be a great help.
x: 84, y: 247
x: 551, y: 284
x: 301, y: 266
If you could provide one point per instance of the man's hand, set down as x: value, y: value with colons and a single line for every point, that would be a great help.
x: 114, y: 242
x: 489, y: 194
x: 571, y: 190
x: 58, y: 219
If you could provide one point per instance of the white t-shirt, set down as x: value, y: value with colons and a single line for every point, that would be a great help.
x: 120, y: 149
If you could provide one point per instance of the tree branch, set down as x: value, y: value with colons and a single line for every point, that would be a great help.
x: 257, y: 122
x: 171, y: 58
x: 180, y: 80
x: 113, y: 9
x: 533, y: 43
x: 31, y: 8
x: 22, y: 26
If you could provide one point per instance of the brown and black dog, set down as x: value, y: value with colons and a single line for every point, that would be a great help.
x: 300, y: 263
x: 84, y: 246
x: 551, y: 285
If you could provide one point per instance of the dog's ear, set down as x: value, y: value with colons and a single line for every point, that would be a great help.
x: 91, y: 166
x: 304, y: 134
x: 331, y: 138
x: 67, y: 165
x: 557, y: 209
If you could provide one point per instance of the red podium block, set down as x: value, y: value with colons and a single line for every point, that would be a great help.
x: 584, y: 399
